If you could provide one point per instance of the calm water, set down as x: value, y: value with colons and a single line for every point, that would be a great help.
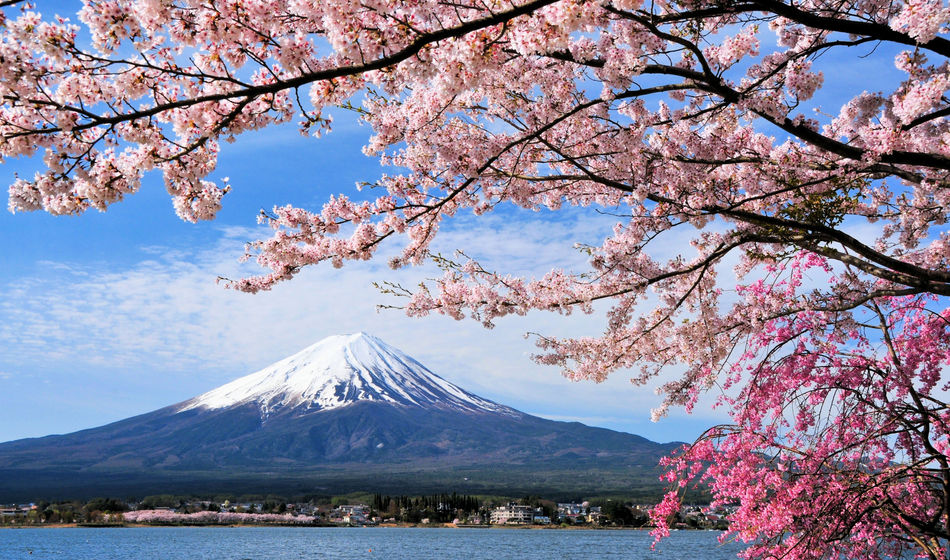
x: 200, y: 543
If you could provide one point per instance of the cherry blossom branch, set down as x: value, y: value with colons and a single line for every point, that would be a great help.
x: 412, y: 49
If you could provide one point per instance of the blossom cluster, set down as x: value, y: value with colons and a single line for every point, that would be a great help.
x: 166, y: 517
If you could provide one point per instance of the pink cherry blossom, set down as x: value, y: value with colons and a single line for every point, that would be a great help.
x: 166, y: 517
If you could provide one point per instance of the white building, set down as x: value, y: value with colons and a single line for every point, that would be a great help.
x: 512, y: 514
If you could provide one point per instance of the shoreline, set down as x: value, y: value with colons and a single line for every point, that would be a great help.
x: 381, y: 525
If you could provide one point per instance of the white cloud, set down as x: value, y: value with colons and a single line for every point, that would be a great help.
x: 163, y: 326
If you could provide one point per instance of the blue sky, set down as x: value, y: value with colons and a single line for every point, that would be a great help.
x: 108, y: 315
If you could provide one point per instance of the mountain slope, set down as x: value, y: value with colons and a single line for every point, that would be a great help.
x: 341, y: 370
x: 348, y: 406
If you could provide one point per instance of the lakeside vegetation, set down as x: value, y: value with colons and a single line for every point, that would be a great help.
x: 358, y: 508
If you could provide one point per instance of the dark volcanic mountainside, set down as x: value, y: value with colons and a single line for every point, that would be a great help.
x: 364, y: 433
x: 347, y: 404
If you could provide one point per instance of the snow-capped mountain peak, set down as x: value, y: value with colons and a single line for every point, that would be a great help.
x: 339, y: 371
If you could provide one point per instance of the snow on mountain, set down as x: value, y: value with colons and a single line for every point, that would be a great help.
x: 339, y: 371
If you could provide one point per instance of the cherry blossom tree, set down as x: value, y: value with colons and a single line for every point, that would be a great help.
x: 812, y: 297
x: 165, y: 517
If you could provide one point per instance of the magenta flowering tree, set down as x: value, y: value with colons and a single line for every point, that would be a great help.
x: 841, y: 437
x: 814, y: 288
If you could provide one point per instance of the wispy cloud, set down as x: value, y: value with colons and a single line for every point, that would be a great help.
x: 165, y: 317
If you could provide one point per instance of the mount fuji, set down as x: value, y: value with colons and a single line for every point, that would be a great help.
x: 340, y: 371
x: 347, y: 413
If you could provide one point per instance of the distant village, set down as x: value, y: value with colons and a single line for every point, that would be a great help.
x: 437, y: 510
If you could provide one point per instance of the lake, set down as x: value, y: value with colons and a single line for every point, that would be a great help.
x: 252, y: 543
